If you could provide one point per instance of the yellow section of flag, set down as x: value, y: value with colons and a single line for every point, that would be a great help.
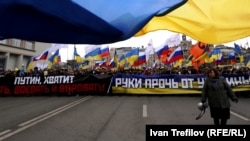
x: 208, y: 21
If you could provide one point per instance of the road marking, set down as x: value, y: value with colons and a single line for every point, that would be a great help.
x: 144, y: 111
x: 239, y: 116
x: 5, y: 132
x: 43, y: 117
x: 51, y: 112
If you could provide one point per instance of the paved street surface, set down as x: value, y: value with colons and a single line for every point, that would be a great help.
x: 102, y: 118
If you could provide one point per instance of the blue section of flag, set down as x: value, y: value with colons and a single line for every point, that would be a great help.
x: 53, y: 57
x: 75, y: 52
x: 231, y: 55
x: 247, y: 61
x: 78, y: 21
x: 237, y: 49
x: 95, y: 54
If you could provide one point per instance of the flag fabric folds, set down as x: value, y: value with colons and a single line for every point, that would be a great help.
x: 45, y: 54
x: 231, y: 57
x: 247, y: 61
x: 42, y: 56
x: 54, y: 58
x: 178, y: 63
x: 58, y: 59
x: 122, y: 61
x: 132, y: 56
x: 77, y: 57
x: 174, y: 40
x: 94, y: 55
x: 30, y: 64
x: 198, y: 54
x: 215, y: 55
x: 208, y: 21
x: 141, y: 59
x: 177, y: 54
x: 100, y: 63
x: 55, y: 47
x: 161, y: 50
x: 197, y: 50
x: 84, y: 64
x: 90, y: 48
x: 105, y: 51
x: 238, y: 51
x: 78, y: 21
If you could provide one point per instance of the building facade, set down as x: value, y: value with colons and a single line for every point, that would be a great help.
x: 15, y: 53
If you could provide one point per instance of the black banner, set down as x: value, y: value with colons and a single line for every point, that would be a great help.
x: 59, y: 85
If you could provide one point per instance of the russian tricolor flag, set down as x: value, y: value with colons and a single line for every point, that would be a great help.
x: 162, y: 50
x: 177, y: 54
x: 105, y: 51
x: 100, y: 63
x: 141, y: 59
x: 43, y: 56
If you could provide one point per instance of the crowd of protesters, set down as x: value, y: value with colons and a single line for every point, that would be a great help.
x: 145, y: 71
x: 103, y: 70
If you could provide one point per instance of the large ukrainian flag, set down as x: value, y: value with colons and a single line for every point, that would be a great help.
x: 208, y: 21
x: 78, y: 21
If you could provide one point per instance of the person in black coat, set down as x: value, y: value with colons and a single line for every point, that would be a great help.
x: 217, y: 91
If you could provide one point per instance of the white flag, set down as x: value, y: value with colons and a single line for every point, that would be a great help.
x: 149, y: 50
x: 174, y: 40
x: 55, y: 47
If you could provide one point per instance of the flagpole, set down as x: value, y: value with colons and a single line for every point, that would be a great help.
x: 247, y: 43
x: 44, y: 63
x: 67, y: 57
x: 74, y: 57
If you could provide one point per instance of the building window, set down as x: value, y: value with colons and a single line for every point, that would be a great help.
x: 16, y: 42
x: 29, y: 45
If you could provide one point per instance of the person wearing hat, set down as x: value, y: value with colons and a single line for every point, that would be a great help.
x: 218, y: 92
x: 36, y: 72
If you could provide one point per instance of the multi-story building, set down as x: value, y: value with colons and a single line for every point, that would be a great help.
x: 15, y: 53
x: 185, y: 46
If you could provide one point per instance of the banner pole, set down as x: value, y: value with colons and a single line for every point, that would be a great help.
x: 110, y: 84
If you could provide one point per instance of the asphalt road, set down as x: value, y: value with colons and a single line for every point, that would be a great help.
x: 101, y: 118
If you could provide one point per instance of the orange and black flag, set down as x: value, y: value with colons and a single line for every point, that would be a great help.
x: 198, y: 49
x: 198, y: 53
